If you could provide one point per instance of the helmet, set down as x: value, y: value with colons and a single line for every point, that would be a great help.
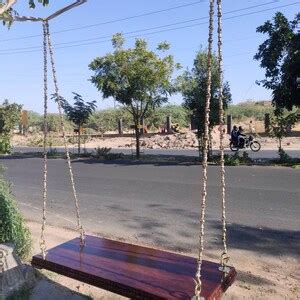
x: 234, y: 127
x: 240, y: 128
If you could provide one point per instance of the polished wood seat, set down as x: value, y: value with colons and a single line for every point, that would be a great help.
x: 134, y: 271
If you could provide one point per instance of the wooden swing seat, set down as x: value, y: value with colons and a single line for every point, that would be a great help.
x: 134, y: 271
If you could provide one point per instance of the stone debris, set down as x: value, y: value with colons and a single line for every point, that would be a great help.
x: 186, y: 140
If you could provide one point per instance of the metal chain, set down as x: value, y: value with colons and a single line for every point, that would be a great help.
x: 43, y: 245
x: 79, y: 225
x: 205, y: 153
x: 224, y: 256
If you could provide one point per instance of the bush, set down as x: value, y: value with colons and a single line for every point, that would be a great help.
x: 232, y: 160
x: 101, y: 152
x: 283, y: 156
x: 5, y: 146
x: 236, y: 160
x: 12, y: 226
x: 113, y: 156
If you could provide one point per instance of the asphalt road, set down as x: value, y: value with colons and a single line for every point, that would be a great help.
x: 264, y: 153
x: 159, y: 204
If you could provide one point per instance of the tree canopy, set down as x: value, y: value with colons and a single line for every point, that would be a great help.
x: 79, y: 113
x: 7, y: 12
x: 9, y: 117
x: 138, y: 78
x: 279, y: 55
x: 193, y: 85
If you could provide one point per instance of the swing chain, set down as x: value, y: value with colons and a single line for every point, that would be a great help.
x: 43, y: 245
x: 205, y: 153
x: 58, y: 100
x: 224, y: 255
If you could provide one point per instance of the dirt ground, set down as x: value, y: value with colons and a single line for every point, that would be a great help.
x: 259, y: 276
x: 128, y: 142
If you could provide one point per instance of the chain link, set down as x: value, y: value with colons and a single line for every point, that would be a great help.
x: 79, y: 226
x: 205, y: 153
x: 224, y: 256
x: 43, y: 245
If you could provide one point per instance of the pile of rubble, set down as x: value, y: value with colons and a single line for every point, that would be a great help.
x: 174, y: 141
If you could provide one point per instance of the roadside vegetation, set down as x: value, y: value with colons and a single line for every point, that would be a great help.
x: 12, y: 226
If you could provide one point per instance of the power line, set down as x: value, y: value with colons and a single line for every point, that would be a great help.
x: 8, y: 51
x: 137, y: 16
x: 111, y: 21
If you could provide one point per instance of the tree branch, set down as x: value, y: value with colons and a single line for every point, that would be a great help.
x: 61, y: 11
x: 7, y: 6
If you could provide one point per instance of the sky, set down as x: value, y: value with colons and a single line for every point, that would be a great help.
x: 83, y: 33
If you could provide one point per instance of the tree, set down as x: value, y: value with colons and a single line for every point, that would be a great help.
x: 279, y: 55
x: 79, y: 113
x: 137, y: 78
x: 193, y: 86
x: 9, y: 118
x: 282, y: 125
x: 7, y: 12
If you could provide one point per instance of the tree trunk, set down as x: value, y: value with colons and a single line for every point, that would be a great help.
x: 79, y: 128
x: 280, y: 143
x: 200, y: 145
x: 137, y: 140
x: 209, y: 153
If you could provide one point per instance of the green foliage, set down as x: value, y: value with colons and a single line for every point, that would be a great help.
x: 100, y: 152
x: 193, y: 85
x: 279, y: 55
x: 80, y: 112
x: 236, y: 159
x: 283, y: 156
x: 232, y: 160
x: 114, y: 156
x: 137, y: 78
x: 178, y: 114
x: 5, y: 146
x: 36, y: 121
x: 107, y: 119
x: 8, y: 14
x: 12, y: 226
x: 32, y: 3
x: 9, y: 118
x: 281, y: 125
x: 249, y: 109
x: 52, y: 152
x: 104, y: 153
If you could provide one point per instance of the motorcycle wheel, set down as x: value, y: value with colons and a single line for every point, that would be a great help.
x: 233, y: 147
x: 255, y: 146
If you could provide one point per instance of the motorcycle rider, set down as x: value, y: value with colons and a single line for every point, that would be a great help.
x: 234, y: 134
x: 241, y: 137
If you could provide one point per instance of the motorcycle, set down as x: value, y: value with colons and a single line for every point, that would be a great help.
x: 249, y: 142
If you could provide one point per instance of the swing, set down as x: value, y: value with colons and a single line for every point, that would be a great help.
x: 135, y: 271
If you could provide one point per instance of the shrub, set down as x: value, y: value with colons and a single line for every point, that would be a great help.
x: 236, y: 160
x: 12, y: 226
x: 113, y: 156
x: 283, y: 156
x: 101, y: 152
x: 232, y: 160
x: 5, y: 146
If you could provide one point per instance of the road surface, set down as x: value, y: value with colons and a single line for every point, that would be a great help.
x: 159, y: 204
x: 264, y: 153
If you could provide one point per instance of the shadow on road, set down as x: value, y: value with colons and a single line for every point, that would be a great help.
x: 184, y: 238
x: 156, y: 162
